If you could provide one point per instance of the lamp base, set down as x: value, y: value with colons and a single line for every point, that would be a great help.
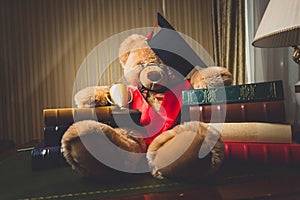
x: 296, y: 125
x: 297, y: 92
x: 296, y: 54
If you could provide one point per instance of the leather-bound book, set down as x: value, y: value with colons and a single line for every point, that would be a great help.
x: 58, y: 120
x: 107, y: 114
x: 47, y: 158
x: 252, y: 92
x: 254, y: 132
x: 267, y: 111
x: 263, y: 153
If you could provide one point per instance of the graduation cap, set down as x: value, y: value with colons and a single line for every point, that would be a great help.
x: 172, y: 49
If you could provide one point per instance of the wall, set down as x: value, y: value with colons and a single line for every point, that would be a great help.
x: 43, y: 43
x: 267, y: 64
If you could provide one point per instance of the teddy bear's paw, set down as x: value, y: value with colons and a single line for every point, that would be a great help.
x: 91, y: 97
x: 178, y: 155
x: 211, y: 77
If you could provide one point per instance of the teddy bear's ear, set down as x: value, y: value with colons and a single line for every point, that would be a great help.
x: 132, y: 42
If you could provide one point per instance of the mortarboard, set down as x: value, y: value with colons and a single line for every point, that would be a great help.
x: 172, y: 49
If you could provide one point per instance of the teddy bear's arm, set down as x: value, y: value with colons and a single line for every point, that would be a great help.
x: 91, y: 97
x: 211, y: 77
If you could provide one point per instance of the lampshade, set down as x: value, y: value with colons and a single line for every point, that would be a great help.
x: 280, y: 25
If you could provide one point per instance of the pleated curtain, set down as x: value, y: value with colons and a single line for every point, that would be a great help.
x: 43, y: 43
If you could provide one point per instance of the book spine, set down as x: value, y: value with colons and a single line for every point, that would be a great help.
x: 263, y: 153
x: 264, y: 91
x: 67, y: 116
x: 270, y: 111
x: 53, y: 135
x: 58, y: 120
x: 254, y: 132
x: 47, y: 158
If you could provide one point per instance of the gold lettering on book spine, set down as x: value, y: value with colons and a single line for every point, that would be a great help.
x: 204, y: 96
x: 247, y: 92
x: 210, y: 95
x: 191, y: 97
x: 272, y: 91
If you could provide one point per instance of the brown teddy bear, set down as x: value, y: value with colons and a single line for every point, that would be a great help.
x: 161, y: 144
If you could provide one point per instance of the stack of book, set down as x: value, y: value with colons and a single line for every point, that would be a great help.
x: 58, y: 120
x: 251, y: 119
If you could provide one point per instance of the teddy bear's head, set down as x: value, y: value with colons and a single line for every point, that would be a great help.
x: 142, y: 67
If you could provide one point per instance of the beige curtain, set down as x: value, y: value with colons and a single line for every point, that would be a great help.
x: 193, y: 18
x: 44, y: 43
x: 229, y: 37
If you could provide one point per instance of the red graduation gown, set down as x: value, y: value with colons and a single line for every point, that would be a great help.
x: 154, y: 122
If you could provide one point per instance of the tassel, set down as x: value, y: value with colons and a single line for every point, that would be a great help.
x: 150, y: 35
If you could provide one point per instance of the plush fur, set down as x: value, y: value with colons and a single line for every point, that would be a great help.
x: 91, y: 97
x: 135, y: 57
x: 95, y: 136
x: 183, y: 142
x: 211, y: 77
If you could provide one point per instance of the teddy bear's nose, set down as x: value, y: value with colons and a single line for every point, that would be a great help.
x: 154, y: 76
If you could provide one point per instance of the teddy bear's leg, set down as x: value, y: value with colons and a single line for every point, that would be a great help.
x: 86, y: 145
x: 190, y: 151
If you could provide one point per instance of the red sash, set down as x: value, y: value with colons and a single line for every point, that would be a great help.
x: 157, y: 122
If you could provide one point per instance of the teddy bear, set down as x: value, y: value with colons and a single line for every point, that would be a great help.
x: 161, y: 143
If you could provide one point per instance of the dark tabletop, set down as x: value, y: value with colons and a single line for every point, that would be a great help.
x: 234, y: 181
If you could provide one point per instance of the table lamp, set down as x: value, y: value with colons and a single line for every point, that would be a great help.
x: 280, y: 27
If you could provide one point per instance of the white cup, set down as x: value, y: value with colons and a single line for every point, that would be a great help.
x: 119, y: 95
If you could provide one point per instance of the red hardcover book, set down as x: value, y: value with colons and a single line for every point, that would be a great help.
x: 268, y: 111
x: 263, y: 153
